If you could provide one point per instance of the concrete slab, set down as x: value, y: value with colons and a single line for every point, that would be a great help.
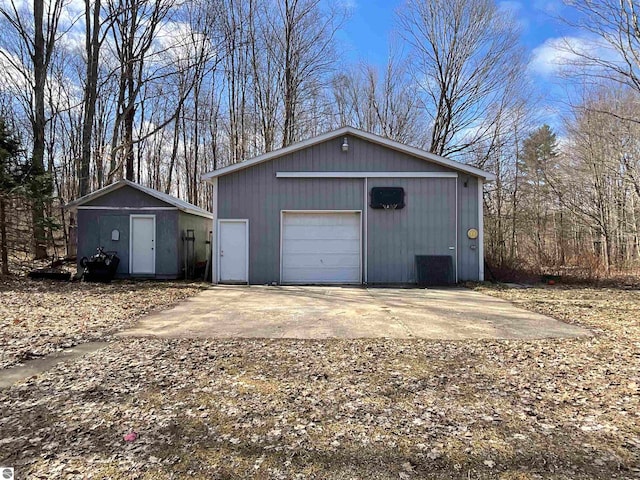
x: 348, y: 312
x: 36, y: 366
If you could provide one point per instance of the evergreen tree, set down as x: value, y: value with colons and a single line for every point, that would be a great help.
x: 540, y: 156
x: 12, y: 174
x: 538, y: 164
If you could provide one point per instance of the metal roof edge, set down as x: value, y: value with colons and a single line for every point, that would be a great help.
x: 413, y: 151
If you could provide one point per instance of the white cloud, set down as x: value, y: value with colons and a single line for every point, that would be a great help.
x: 556, y: 54
x: 550, y: 57
x: 14, y: 75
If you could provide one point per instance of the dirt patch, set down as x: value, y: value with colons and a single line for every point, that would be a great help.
x: 41, y: 317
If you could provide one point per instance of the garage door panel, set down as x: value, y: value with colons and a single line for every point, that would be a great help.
x: 327, y: 232
x: 319, y: 219
x: 317, y: 260
x: 327, y: 247
x: 321, y: 247
x: 326, y: 275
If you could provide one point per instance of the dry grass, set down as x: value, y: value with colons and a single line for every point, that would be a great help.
x: 557, y: 409
x: 38, y: 317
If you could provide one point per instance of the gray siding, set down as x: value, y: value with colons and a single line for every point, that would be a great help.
x: 260, y: 196
x: 468, y: 254
x: 362, y: 156
x: 426, y: 225
x: 94, y: 230
x: 127, y: 197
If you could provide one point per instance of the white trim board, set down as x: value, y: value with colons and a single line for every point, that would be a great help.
x: 214, y: 229
x: 400, y: 147
x: 128, y: 208
x: 233, y: 220
x: 362, y: 260
x: 366, y: 175
x: 480, y: 230
x: 365, y: 232
x: 457, y: 239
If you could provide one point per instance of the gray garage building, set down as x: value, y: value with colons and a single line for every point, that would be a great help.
x: 346, y: 207
x: 147, y: 228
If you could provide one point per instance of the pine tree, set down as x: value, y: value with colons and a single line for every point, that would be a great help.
x: 11, y: 175
x: 537, y: 166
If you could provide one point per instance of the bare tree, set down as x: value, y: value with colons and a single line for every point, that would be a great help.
x: 384, y: 102
x: 465, y: 57
x: 135, y: 25
x: 37, y: 35
x: 601, y: 171
x: 265, y: 63
x: 307, y: 54
x: 95, y: 33
x: 614, y: 52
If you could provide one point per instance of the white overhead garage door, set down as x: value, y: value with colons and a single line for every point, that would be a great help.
x: 321, y: 247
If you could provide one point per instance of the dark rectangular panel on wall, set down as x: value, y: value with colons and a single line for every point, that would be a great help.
x: 434, y: 270
x: 387, y: 197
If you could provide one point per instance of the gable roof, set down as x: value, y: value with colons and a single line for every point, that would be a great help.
x: 164, y: 197
x: 392, y: 144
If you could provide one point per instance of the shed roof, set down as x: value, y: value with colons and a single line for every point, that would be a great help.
x: 392, y: 144
x: 171, y: 200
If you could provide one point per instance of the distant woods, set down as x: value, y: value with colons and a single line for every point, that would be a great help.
x: 159, y: 91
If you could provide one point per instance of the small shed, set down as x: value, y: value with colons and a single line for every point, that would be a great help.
x: 155, y: 235
x: 348, y: 207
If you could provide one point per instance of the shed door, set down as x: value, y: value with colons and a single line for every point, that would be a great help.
x: 143, y: 238
x: 321, y: 247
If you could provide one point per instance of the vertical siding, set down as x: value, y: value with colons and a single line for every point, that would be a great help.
x: 468, y: 255
x: 127, y: 197
x: 362, y: 156
x: 95, y: 227
x: 258, y: 196
x: 425, y: 226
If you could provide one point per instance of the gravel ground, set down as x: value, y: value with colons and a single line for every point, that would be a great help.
x: 560, y: 409
x: 41, y: 317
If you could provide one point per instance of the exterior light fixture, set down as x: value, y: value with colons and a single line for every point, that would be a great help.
x: 345, y: 145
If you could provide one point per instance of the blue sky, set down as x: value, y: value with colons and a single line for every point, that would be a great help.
x: 368, y: 32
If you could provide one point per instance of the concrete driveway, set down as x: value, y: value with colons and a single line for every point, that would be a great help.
x: 348, y: 312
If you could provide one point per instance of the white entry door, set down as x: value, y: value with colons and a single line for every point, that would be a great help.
x: 142, y: 251
x: 233, y: 251
x: 321, y: 247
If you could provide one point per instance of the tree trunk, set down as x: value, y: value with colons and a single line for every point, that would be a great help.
x: 90, y: 93
x: 129, y: 119
x: 38, y: 124
x: 4, y: 249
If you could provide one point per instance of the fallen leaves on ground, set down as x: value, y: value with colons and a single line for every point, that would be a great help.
x: 39, y: 317
x: 557, y: 408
